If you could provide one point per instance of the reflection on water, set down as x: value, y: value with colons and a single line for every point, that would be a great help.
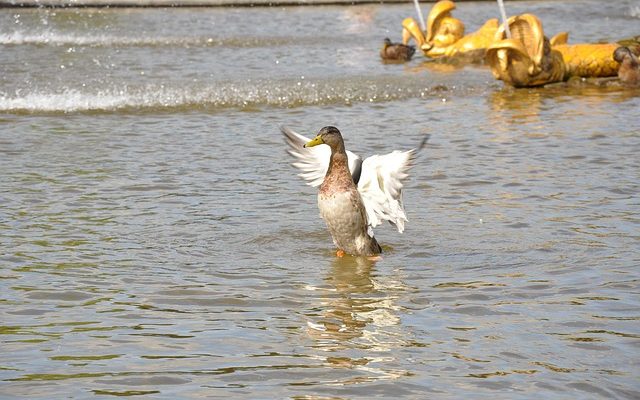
x: 344, y: 311
x: 359, y: 310
x: 435, y: 66
x: 530, y: 108
x: 358, y: 307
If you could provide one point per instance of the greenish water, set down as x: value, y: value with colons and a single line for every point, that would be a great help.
x: 155, y: 242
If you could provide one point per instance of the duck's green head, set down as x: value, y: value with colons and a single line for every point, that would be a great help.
x: 329, y: 135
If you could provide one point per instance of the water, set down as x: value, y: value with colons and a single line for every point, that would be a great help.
x: 155, y: 240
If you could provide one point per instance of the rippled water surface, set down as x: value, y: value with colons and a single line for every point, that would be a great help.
x: 154, y: 239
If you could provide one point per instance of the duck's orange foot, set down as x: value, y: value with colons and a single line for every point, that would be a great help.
x: 340, y: 253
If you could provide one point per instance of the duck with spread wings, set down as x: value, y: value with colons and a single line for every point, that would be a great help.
x: 355, y: 195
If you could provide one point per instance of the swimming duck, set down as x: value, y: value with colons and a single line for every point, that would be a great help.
x: 355, y: 195
x: 396, y: 51
x: 629, y: 71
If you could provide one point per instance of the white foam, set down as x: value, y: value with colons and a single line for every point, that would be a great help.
x: 68, y: 101
x: 280, y: 93
x: 70, y: 39
x: 55, y: 38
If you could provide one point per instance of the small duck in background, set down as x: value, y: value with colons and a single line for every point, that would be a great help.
x: 396, y: 51
x: 629, y: 71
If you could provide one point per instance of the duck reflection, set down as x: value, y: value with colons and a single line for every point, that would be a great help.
x: 358, y: 310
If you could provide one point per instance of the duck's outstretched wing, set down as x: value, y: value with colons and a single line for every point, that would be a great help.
x: 314, y: 161
x: 381, y: 185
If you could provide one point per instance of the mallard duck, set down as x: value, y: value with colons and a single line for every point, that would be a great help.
x: 355, y: 195
x: 629, y: 71
x: 396, y: 51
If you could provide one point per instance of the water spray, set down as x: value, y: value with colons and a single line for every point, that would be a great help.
x: 504, y: 18
x: 420, y: 17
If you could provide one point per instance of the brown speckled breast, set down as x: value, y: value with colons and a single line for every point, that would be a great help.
x: 338, y: 178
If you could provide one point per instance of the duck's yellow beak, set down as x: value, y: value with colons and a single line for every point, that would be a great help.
x: 314, y: 142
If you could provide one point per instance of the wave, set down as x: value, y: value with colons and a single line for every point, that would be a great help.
x: 110, y: 40
x: 245, y: 94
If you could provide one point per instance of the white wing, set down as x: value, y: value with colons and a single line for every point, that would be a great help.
x: 314, y: 161
x: 381, y: 185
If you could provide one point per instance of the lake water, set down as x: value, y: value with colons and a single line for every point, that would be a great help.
x: 154, y: 239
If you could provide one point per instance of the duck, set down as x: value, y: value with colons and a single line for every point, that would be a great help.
x: 629, y: 71
x: 396, y: 51
x: 354, y: 195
